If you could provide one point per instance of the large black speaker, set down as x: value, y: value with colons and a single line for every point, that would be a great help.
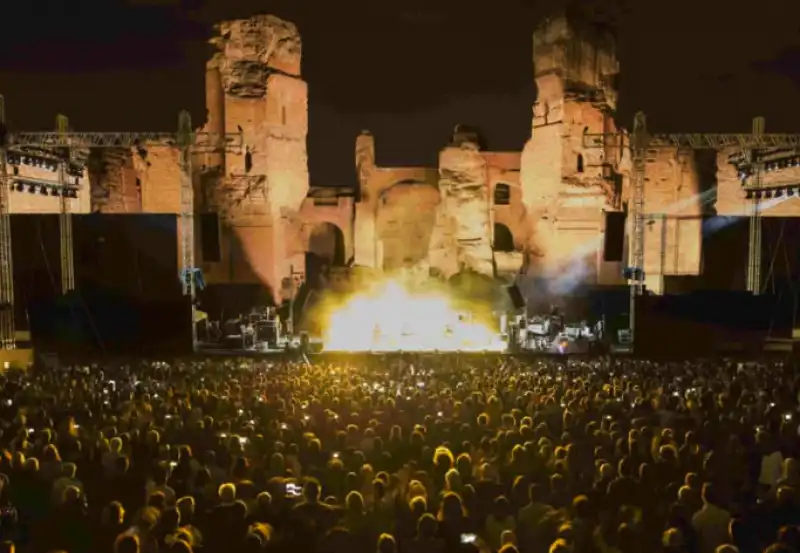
x: 615, y: 236
x: 516, y: 296
x: 128, y: 297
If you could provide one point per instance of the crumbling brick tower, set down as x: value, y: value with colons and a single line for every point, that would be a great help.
x: 566, y: 188
x: 253, y: 85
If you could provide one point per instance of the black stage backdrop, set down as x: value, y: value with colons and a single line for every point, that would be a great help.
x: 128, y: 296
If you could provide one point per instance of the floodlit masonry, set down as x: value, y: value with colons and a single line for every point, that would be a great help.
x: 541, y: 211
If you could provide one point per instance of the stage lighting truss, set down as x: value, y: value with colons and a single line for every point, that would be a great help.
x: 200, y: 141
x: 44, y: 187
x: 50, y: 160
x: 771, y: 161
x: 633, y: 274
x: 696, y: 141
x: 70, y: 150
x: 772, y: 192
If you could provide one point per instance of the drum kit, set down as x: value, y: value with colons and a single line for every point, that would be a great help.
x: 260, y: 329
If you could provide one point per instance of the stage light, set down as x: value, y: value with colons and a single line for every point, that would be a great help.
x: 757, y: 194
x: 75, y: 171
x: 389, y: 317
x: 768, y: 194
x: 633, y: 273
x: 778, y: 193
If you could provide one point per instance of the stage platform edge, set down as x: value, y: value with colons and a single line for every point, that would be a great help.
x: 20, y: 358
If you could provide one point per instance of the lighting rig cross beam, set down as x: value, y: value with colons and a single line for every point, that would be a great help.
x: 772, y: 192
x: 754, y: 153
x: 67, y: 152
x: 770, y: 161
x: 43, y: 187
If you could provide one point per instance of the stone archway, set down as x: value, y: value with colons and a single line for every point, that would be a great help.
x: 326, y: 241
x: 325, y: 250
x: 503, y: 238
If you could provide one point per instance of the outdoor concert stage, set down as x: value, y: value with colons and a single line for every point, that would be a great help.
x: 344, y: 355
x: 128, y: 297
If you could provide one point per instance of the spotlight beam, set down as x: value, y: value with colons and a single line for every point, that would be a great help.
x: 640, y: 141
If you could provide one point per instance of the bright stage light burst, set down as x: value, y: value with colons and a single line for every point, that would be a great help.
x: 391, y: 318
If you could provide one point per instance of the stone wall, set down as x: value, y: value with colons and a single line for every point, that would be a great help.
x: 391, y: 201
x: 566, y: 188
x: 336, y: 210
x: 406, y: 219
x: 159, y: 171
x: 673, y: 206
x: 502, y: 169
x: 114, y: 182
x: 572, y: 61
x: 254, y: 87
x: 431, y: 218
x: 462, y: 237
x: 403, y: 218
x: 565, y: 191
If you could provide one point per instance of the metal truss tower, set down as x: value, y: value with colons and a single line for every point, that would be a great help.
x: 641, y: 142
x: 64, y: 216
x: 7, y: 326
x: 66, y: 142
x: 756, y: 226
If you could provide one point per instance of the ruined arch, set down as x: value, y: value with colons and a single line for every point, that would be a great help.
x: 325, y: 250
x: 503, y: 238
x: 326, y: 242
x: 502, y: 194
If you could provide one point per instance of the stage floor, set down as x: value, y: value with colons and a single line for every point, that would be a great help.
x: 559, y: 347
x: 278, y: 354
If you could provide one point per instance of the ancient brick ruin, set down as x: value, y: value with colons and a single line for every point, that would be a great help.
x: 540, y: 211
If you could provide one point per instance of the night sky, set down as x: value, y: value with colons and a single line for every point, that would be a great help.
x: 409, y: 71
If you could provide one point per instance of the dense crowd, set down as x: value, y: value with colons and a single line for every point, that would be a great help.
x: 423, y: 454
